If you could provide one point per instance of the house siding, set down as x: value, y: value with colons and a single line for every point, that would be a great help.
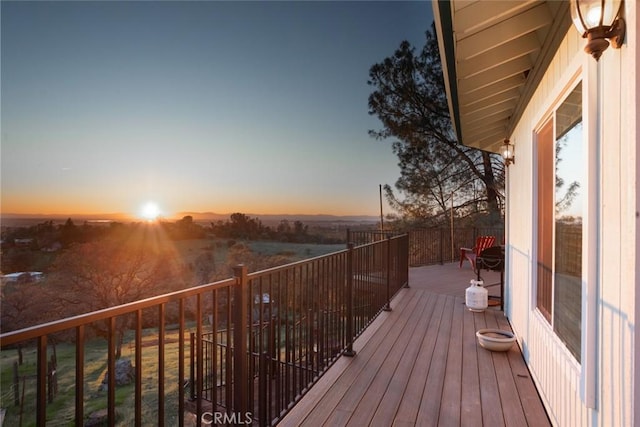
x: 612, y: 267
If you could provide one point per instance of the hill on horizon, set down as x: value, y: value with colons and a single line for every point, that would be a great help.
x: 13, y: 219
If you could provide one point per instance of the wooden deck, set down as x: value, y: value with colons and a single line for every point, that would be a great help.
x: 420, y: 364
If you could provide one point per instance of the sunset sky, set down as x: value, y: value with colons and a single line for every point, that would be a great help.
x: 253, y: 107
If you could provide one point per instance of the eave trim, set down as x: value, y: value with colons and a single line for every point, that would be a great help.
x: 444, y: 33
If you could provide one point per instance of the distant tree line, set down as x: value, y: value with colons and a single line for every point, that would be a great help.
x: 50, y: 236
x: 241, y: 226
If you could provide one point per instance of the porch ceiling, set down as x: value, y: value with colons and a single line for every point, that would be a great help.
x: 494, y: 54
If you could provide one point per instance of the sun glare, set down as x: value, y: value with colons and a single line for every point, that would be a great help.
x: 150, y: 211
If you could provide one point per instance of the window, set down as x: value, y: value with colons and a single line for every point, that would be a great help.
x: 560, y: 185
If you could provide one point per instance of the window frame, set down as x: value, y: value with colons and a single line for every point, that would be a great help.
x: 579, y: 70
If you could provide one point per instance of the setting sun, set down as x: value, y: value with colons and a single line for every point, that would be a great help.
x: 150, y: 211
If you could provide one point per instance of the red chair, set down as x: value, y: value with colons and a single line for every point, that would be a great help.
x: 482, y: 243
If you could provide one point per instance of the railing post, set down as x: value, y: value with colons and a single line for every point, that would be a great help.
x: 387, y: 305
x: 349, y: 301
x: 192, y: 367
x: 240, y: 392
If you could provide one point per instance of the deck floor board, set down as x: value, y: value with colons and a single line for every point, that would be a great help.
x: 420, y: 364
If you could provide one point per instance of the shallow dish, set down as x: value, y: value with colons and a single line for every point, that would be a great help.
x: 495, y: 339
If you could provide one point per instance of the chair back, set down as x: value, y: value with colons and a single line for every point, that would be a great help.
x: 483, y: 242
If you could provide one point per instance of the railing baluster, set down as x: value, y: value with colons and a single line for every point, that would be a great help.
x: 161, y: 334
x: 41, y: 399
x: 295, y: 334
x: 387, y: 306
x: 79, y: 375
x: 228, y: 384
x: 251, y: 334
x: 214, y: 346
x: 181, y: 363
x: 111, y: 370
x: 349, y: 302
x: 192, y: 366
x: 262, y: 389
x: 278, y: 344
x: 138, y: 362
x: 287, y: 337
x: 199, y: 353
x: 404, y: 259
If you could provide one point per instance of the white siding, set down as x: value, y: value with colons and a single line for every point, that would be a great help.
x: 615, y: 262
x: 632, y: 97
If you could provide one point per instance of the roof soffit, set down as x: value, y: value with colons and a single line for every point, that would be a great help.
x: 494, y: 54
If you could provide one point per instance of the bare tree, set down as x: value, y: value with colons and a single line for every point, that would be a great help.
x: 23, y: 303
x: 101, y: 274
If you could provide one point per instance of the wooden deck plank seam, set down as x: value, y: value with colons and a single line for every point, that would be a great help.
x: 414, y: 391
x: 370, y: 401
x: 375, y: 361
x: 397, y: 380
x: 470, y: 405
x: 390, y: 403
x: 450, y: 403
x: 428, y: 414
x: 532, y: 405
x: 489, y: 391
x: 357, y: 365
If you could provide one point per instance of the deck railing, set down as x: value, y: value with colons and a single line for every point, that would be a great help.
x: 238, y: 351
x: 436, y: 245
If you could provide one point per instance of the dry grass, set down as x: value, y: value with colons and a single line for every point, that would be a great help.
x: 61, y: 411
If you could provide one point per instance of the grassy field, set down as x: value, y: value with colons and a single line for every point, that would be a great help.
x: 298, y: 251
x: 61, y: 411
x: 219, y: 248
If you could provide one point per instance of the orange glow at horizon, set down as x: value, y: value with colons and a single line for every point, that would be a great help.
x: 165, y: 206
x: 152, y: 213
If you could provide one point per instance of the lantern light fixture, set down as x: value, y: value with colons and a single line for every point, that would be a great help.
x: 599, y: 21
x: 508, y: 152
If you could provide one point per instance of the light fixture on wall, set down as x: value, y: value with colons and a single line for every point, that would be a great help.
x: 600, y: 23
x: 508, y: 152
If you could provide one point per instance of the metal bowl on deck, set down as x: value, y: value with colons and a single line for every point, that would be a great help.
x: 495, y: 339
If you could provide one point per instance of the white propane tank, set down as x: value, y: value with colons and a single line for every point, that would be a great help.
x: 477, y: 297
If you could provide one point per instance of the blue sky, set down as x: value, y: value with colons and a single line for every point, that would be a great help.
x: 254, y: 107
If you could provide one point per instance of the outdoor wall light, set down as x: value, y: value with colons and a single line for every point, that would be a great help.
x: 508, y: 152
x: 599, y: 22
